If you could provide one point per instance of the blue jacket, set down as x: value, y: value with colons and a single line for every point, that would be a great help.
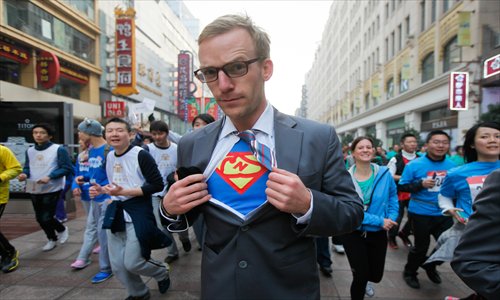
x: 384, y: 200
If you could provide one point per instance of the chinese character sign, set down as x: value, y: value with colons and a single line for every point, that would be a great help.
x: 183, y: 80
x: 492, y: 66
x: 115, y: 109
x: 48, y: 69
x: 125, y: 52
x: 15, y: 53
x: 459, y: 90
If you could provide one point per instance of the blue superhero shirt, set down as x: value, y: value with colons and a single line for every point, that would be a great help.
x: 239, y: 181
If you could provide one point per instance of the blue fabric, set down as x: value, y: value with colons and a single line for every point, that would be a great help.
x: 82, y: 169
x: 424, y: 202
x: 455, y: 185
x: 239, y: 181
x: 97, y: 171
x: 384, y: 201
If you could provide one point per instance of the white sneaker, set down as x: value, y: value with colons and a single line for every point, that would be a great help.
x: 338, y: 248
x: 49, y: 246
x: 63, y: 236
x: 369, y: 290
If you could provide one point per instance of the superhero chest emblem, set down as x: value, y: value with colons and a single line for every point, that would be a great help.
x: 240, y: 170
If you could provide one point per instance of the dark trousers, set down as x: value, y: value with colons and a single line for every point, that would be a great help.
x: 323, y: 252
x: 6, y: 249
x: 366, y: 255
x: 45, y: 209
x: 407, y: 228
x: 423, y: 227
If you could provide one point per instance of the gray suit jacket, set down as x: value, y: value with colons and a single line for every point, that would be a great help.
x: 269, y: 256
x: 477, y: 256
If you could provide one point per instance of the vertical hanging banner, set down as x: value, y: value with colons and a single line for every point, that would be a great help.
x: 459, y: 91
x: 48, y: 69
x: 183, y: 79
x: 212, y: 108
x: 463, y: 38
x: 125, y: 52
x: 375, y: 86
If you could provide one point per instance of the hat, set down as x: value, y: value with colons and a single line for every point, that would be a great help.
x: 91, y: 127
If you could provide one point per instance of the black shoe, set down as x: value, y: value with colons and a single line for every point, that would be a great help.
x: 432, y: 273
x: 405, y: 239
x: 411, y: 280
x: 186, y: 245
x: 143, y: 297
x: 10, y: 263
x: 170, y: 259
x: 327, y: 271
x: 164, y: 285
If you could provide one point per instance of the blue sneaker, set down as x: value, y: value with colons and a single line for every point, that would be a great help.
x: 101, y: 276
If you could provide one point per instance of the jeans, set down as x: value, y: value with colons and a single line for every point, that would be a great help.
x: 323, y: 252
x: 45, y: 210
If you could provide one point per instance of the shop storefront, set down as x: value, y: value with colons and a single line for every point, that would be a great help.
x: 395, y: 129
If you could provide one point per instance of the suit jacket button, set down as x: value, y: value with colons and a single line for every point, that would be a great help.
x: 243, y: 264
x: 245, y: 228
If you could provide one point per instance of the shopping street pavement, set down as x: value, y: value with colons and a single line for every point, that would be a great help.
x: 47, y: 275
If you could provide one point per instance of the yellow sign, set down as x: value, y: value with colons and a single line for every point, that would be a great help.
x: 463, y: 38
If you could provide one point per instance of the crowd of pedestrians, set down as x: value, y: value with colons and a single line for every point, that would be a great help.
x: 264, y: 192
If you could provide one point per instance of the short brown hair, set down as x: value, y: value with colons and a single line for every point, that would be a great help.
x: 226, y: 23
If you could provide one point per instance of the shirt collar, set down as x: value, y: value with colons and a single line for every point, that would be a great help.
x: 264, y: 124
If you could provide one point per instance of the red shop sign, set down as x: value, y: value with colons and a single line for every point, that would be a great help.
x: 48, y: 69
x: 14, y: 53
x: 115, y: 109
x: 459, y: 91
x: 492, y: 66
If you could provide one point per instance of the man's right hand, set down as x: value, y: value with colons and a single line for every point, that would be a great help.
x: 186, y: 194
x: 428, y: 183
x: 79, y: 180
x: 22, y: 177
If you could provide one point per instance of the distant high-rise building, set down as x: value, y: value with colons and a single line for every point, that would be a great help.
x: 384, y: 66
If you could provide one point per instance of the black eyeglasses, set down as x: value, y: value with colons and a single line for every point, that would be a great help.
x: 233, y: 69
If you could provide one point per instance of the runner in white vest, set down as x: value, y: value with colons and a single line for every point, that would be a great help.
x: 44, y: 171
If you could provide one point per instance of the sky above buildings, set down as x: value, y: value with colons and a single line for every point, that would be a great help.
x: 295, y: 28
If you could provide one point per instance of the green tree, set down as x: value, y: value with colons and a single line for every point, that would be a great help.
x: 347, y: 139
x: 493, y: 114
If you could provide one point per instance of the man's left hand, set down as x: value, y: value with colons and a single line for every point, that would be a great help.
x: 286, y: 192
x: 43, y: 180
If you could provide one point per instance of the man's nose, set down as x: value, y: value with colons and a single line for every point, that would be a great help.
x: 225, y: 82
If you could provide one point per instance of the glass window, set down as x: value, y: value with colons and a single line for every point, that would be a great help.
x: 367, y: 101
x: 31, y: 19
x: 451, y: 55
x: 9, y: 70
x: 422, y: 16
x: 433, y: 11
x: 66, y: 87
x: 404, y: 84
x: 86, y: 7
x: 428, y: 67
x: 389, y: 89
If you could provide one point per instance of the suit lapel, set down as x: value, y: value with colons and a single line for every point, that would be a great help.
x: 288, y: 142
x: 205, y: 145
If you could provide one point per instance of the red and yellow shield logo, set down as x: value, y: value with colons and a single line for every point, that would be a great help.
x: 240, y: 170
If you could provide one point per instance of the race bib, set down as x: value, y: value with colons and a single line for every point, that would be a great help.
x: 475, y: 185
x: 438, y: 176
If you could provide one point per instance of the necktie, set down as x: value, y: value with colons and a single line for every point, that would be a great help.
x: 263, y: 154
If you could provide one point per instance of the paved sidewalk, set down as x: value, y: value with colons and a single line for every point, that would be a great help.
x: 47, y: 275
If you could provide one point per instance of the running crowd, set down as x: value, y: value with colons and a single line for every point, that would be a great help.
x: 137, y: 193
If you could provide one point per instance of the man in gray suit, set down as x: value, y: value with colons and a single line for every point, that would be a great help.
x: 477, y: 257
x: 260, y: 221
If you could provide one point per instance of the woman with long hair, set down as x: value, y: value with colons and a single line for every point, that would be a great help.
x: 462, y: 184
x: 367, y: 246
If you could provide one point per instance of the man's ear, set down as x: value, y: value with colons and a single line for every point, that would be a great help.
x: 267, y: 69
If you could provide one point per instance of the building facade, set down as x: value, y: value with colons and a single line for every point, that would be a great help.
x: 384, y: 66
